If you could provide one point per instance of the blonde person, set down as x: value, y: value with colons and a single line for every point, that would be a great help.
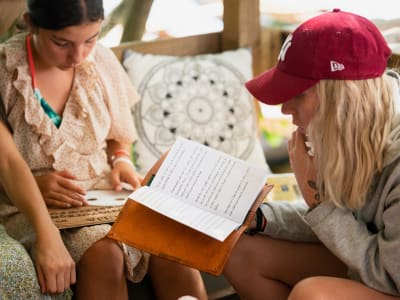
x: 55, y: 268
x: 68, y: 101
x: 343, y: 242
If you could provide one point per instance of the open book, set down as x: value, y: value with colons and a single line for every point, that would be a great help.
x: 195, y: 205
x: 203, y: 188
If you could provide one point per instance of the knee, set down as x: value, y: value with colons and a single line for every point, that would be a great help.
x: 312, y: 288
x: 243, y: 254
x: 172, y: 271
x: 104, y: 257
x: 162, y: 265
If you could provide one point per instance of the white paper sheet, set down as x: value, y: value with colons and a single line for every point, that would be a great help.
x: 203, y: 188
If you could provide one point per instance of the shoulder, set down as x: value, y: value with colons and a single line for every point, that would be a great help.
x: 13, y: 50
x: 386, y: 186
x: 102, y: 54
x: 13, y: 68
x: 391, y: 172
x: 109, y: 67
x: 13, y: 59
x: 17, y: 41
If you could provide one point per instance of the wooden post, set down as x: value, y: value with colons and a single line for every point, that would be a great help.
x: 394, y: 62
x: 241, y: 24
x: 135, y: 18
x: 271, y: 42
x: 10, y: 11
x: 242, y: 29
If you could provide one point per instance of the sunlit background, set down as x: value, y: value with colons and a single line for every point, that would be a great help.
x: 186, y: 17
x: 177, y: 18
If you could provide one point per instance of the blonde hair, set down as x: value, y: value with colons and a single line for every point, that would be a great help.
x: 350, y: 132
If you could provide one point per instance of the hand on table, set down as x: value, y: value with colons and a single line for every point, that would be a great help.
x: 58, y: 189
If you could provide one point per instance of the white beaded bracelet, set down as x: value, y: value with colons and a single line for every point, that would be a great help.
x: 122, y: 159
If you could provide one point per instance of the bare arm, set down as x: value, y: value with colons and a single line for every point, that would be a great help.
x: 54, y: 265
x: 122, y: 167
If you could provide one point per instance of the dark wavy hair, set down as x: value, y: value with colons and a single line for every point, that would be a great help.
x: 58, y: 14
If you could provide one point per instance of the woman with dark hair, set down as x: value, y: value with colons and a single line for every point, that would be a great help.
x: 68, y: 101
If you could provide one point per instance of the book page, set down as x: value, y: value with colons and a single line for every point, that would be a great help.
x: 206, y: 222
x: 203, y: 180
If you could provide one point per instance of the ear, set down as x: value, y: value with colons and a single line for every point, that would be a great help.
x: 27, y: 19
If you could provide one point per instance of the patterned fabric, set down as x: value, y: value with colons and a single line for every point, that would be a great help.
x: 16, y: 267
x: 201, y: 97
x: 98, y: 109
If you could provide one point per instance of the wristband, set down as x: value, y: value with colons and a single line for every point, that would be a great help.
x: 261, y: 223
x: 120, y: 159
x: 120, y: 152
x: 258, y: 219
x: 264, y: 224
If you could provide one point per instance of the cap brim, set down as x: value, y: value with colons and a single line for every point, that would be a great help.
x: 276, y: 87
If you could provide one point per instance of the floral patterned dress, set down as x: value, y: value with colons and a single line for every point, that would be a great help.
x: 17, y: 273
x: 98, y: 109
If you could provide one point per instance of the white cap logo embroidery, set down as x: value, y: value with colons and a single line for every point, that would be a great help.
x: 285, y: 47
x: 335, y: 66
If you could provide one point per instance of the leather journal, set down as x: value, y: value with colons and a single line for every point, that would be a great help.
x: 148, y: 230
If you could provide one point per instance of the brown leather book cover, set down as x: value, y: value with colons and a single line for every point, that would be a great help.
x: 152, y: 232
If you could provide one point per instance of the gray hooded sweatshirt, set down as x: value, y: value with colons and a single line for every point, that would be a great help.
x: 366, y: 240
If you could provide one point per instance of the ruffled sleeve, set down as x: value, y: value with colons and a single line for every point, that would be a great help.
x: 120, y: 93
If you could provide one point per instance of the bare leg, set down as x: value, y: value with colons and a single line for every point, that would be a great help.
x: 101, y: 273
x: 260, y: 267
x: 331, y: 288
x: 171, y: 280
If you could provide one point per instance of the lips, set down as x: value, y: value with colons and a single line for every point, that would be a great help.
x: 65, y: 67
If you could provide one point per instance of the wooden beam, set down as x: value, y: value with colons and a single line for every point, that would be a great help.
x: 191, y: 45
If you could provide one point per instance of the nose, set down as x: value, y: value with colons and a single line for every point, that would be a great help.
x: 286, y: 108
x: 77, y: 54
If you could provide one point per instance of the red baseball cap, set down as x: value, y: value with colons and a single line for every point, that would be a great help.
x: 334, y: 45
